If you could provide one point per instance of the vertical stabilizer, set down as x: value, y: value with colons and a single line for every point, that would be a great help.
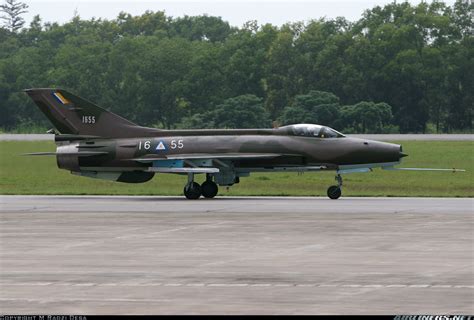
x: 71, y: 114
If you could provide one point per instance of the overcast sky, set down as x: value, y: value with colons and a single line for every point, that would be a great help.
x: 235, y: 12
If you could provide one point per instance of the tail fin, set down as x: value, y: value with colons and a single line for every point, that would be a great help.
x: 73, y: 115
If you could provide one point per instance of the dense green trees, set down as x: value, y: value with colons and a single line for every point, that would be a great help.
x: 399, y: 68
x: 245, y: 111
x: 324, y: 107
x: 314, y: 107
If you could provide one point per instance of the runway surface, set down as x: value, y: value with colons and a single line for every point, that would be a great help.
x: 161, y: 255
x: 382, y: 137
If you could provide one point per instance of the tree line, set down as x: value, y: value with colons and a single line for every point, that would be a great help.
x: 399, y: 68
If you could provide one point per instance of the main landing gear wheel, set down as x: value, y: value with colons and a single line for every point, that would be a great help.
x: 335, y: 192
x: 192, y: 190
x: 209, y: 189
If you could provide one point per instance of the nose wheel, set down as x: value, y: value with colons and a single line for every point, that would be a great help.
x: 335, y: 192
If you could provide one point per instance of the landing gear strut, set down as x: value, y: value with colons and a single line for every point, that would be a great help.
x: 192, y: 190
x: 209, y: 188
x: 334, y: 192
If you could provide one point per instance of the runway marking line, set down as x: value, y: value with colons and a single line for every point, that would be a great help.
x: 419, y: 285
x: 441, y: 286
x: 264, y: 285
x: 372, y: 286
x: 396, y: 286
x: 261, y: 285
x: 351, y: 285
x: 327, y: 285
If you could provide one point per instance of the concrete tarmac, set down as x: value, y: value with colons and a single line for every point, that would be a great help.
x: 165, y: 255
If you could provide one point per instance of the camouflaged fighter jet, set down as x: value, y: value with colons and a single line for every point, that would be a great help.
x: 96, y: 143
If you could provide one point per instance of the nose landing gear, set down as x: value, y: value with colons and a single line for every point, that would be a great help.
x: 335, y: 192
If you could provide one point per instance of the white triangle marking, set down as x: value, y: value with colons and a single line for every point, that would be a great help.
x: 160, y: 146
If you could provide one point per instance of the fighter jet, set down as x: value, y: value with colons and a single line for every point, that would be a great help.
x: 97, y: 143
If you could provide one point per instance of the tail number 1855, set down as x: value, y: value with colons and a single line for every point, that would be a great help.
x: 88, y: 119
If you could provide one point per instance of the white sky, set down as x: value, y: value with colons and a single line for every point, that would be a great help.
x: 236, y: 13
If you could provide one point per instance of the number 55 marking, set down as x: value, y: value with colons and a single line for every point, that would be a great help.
x: 176, y: 144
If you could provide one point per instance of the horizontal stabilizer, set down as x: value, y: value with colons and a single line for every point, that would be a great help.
x: 73, y: 137
x: 423, y: 169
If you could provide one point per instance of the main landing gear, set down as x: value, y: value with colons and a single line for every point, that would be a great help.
x: 192, y: 190
x: 334, y: 192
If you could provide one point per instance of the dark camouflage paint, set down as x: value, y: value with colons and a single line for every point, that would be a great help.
x: 120, y: 139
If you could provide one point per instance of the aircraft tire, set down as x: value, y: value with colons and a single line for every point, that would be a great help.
x: 192, y: 191
x: 209, y: 189
x: 334, y: 192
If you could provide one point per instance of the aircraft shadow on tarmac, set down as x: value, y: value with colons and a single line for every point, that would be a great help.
x: 184, y: 200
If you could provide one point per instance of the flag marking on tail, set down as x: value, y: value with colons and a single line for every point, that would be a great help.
x: 61, y: 98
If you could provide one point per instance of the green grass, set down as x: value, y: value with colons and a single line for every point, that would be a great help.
x: 40, y: 175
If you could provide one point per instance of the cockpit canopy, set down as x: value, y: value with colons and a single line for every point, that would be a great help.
x: 313, y: 130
